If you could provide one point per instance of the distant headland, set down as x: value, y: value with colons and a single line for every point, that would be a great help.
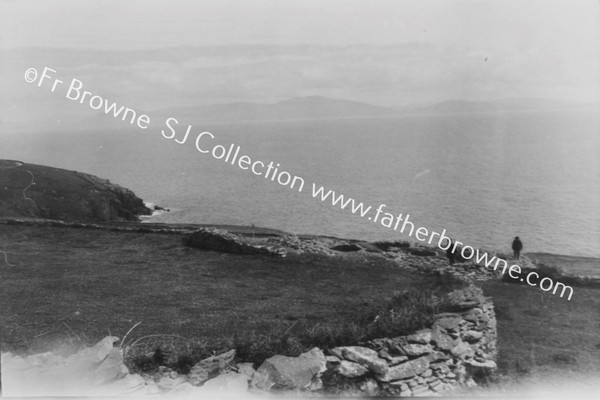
x: 37, y: 191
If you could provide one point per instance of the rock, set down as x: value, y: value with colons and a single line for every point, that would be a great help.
x: 246, y: 369
x: 350, y: 369
x: 443, y: 341
x: 102, y: 349
x: 413, y: 350
x: 406, y: 370
x: 210, y: 367
x: 369, y: 387
x: 440, y: 367
x: 470, y: 383
x: 448, y: 323
x: 111, y: 368
x: 363, y: 356
x: 420, y: 337
x: 437, y: 386
x: 472, y: 336
x: 436, y: 356
x: 402, y: 385
x: 484, y: 365
x: 227, y: 383
x: 281, y: 372
x: 412, y: 383
x: 226, y: 242
x: 462, y: 350
x: 419, y: 389
x: 380, y: 344
x: 397, y: 360
x: 474, y: 315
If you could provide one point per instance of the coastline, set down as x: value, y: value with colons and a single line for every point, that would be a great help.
x: 574, y: 266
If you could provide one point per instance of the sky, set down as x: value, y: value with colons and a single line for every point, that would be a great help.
x: 156, y: 54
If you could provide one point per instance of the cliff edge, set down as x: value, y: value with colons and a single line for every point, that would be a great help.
x: 38, y: 191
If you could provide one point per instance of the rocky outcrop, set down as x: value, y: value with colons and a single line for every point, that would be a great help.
x: 227, y: 242
x: 37, y: 191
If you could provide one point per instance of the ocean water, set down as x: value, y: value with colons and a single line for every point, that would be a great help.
x: 485, y: 178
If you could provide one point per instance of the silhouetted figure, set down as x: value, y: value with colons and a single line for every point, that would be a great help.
x: 517, y: 246
x: 450, y: 254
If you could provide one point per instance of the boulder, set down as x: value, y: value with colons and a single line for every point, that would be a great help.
x: 282, y: 372
x: 487, y: 365
x: 443, y: 341
x: 211, y: 367
x: 350, y: 369
x: 448, y: 323
x: 406, y: 370
x: 462, y: 350
x: 472, y: 336
x: 420, y: 337
x: 412, y: 350
x: 363, y: 356
x: 246, y: 369
x: 111, y: 368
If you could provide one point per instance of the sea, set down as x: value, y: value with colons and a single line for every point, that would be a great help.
x: 483, y: 177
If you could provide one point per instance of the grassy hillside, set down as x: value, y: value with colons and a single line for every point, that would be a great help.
x: 30, y: 190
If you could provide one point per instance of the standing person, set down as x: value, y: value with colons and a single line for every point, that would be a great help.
x: 450, y: 253
x: 517, y: 246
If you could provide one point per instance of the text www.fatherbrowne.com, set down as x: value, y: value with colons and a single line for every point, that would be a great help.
x: 207, y: 144
x: 402, y: 224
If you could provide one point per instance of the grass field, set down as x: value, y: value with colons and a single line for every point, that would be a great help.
x: 71, y: 287
x: 544, y: 338
x: 78, y: 284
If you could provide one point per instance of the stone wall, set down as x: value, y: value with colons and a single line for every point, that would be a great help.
x: 456, y: 350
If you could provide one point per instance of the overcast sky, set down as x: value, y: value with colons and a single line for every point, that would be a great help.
x: 565, y: 25
x: 438, y: 50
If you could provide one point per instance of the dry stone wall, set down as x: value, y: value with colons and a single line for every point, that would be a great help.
x: 457, y: 349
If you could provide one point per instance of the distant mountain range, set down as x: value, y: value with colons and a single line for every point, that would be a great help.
x: 319, y: 107
x: 296, y: 108
x: 301, y: 108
